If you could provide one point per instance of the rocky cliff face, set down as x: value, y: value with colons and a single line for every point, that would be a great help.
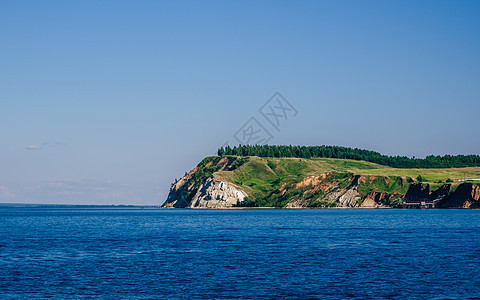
x: 211, y: 194
x: 376, y: 199
x: 467, y: 195
x: 200, y: 189
x: 441, y: 193
x: 354, y: 191
x: 418, y: 192
x: 350, y: 197
x: 217, y: 194
x: 181, y: 192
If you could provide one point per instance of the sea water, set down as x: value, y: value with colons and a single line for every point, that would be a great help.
x: 135, y: 253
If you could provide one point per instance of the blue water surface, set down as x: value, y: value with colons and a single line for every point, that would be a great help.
x: 75, y: 252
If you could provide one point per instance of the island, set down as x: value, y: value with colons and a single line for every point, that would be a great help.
x: 326, y: 177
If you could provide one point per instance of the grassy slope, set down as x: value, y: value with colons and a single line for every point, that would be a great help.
x: 260, y: 177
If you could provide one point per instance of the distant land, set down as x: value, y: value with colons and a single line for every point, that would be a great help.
x: 326, y: 177
x: 72, y: 206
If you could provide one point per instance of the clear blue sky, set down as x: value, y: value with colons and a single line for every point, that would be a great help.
x: 106, y: 102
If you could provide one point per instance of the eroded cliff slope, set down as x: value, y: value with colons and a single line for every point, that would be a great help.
x: 200, y: 189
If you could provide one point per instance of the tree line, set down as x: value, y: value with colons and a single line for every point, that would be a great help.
x: 431, y: 161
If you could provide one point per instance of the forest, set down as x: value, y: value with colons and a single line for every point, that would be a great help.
x: 431, y: 161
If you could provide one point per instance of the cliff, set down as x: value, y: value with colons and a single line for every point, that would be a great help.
x: 232, y: 181
x: 200, y: 189
x: 467, y: 195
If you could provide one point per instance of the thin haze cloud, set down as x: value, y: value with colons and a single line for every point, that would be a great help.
x: 43, y: 145
x: 33, y: 147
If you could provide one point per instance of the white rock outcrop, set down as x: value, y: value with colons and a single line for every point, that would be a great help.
x: 217, y: 194
x: 349, y: 198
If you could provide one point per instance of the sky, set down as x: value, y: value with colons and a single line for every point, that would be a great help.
x: 107, y: 102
